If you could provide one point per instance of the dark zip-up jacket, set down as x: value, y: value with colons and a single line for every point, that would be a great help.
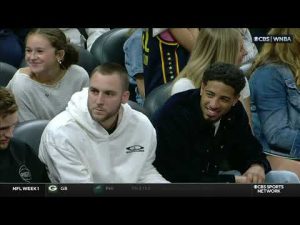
x: 188, y: 151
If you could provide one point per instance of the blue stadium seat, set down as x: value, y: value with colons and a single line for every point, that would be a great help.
x: 6, y: 73
x: 30, y: 132
x: 109, y: 46
x: 157, y: 98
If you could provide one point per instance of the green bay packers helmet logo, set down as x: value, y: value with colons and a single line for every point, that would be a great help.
x: 52, y: 188
x: 25, y: 173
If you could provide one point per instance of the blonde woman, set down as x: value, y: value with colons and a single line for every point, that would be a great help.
x: 275, y: 99
x: 213, y: 45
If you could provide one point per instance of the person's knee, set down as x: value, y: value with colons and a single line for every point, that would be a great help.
x: 281, y: 177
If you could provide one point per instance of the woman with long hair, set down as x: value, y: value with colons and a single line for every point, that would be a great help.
x: 275, y: 99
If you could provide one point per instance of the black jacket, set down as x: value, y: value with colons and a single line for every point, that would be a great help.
x: 18, y: 164
x: 188, y: 151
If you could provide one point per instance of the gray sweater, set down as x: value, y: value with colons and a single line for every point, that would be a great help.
x: 40, y: 101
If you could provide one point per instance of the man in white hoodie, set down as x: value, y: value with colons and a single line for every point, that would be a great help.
x: 99, y: 138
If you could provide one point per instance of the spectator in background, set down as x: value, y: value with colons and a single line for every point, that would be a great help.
x: 274, y: 85
x: 186, y: 37
x: 84, y: 37
x: 221, y: 139
x: 97, y: 139
x: 250, y: 49
x: 133, y: 50
x: 249, y: 46
x: 18, y: 163
x: 165, y: 53
x: 43, y: 89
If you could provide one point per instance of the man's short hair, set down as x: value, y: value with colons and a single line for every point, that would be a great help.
x: 8, y: 103
x: 113, y: 68
x: 227, y: 73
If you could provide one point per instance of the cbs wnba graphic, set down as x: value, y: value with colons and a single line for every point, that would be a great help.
x: 274, y: 39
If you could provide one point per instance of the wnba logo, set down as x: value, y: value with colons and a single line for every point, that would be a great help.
x: 274, y: 39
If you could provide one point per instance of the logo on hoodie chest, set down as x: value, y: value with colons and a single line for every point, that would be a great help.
x: 135, y: 148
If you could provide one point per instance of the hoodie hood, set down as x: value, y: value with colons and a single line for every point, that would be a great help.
x: 78, y: 110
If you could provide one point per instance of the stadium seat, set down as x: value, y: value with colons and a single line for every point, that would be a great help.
x: 6, y: 73
x: 109, y: 46
x: 86, y: 59
x: 157, y: 98
x: 30, y: 132
x: 137, y: 107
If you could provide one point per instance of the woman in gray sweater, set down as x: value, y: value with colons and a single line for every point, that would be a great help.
x: 43, y: 89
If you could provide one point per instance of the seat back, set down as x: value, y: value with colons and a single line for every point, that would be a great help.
x: 6, y: 73
x: 137, y: 107
x: 109, y: 46
x: 30, y: 132
x: 86, y: 59
x: 157, y: 98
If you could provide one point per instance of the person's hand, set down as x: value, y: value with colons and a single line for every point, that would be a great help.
x: 255, y: 174
x: 241, y: 180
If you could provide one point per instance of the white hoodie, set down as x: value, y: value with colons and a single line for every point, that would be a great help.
x: 77, y: 149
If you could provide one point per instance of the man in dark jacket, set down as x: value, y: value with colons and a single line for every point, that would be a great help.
x: 18, y: 163
x: 201, y: 133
